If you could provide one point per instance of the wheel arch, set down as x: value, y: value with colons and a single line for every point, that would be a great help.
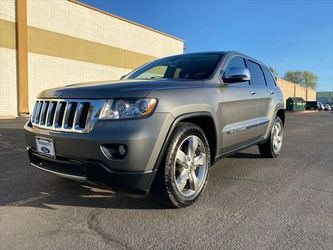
x: 204, y: 120
x: 282, y: 114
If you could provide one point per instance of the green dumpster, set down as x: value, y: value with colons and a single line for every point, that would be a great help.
x: 295, y: 104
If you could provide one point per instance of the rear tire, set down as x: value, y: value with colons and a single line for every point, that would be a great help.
x: 183, y: 174
x: 272, y: 147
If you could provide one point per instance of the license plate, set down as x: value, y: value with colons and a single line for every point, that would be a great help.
x: 45, y: 146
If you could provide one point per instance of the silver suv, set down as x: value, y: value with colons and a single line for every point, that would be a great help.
x: 161, y: 127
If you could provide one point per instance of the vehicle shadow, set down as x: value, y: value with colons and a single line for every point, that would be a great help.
x: 25, y: 186
x: 81, y: 195
x: 243, y: 155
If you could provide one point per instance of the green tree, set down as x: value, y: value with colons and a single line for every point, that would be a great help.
x: 304, y: 78
x: 309, y: 80
x: 274, y: 72
x: 294, y: 76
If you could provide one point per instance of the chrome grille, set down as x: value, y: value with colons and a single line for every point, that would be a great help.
x: 69, y: 115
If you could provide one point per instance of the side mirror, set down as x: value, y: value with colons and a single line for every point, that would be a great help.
x: 122, y: 77
x: 236, y: 75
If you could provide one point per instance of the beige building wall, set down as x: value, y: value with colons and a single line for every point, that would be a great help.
x: 65, y: 71
x: 70, y: 42
x: 290, y: 89
x: 104, y: 41
x: 312, y: 95
x: 73, y: 19
x: 8, y: 70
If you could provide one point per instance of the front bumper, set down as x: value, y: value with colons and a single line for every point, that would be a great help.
x: 92, y: 172
x: 79, y: 156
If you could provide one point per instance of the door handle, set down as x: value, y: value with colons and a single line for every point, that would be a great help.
x: 271, y: 92
x: 252, y: 92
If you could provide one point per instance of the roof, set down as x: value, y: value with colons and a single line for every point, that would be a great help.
x: 123, y: 19
x: 230, y: 52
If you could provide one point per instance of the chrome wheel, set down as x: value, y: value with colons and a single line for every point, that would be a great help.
x: 277, y: 136
x: 190, y: 167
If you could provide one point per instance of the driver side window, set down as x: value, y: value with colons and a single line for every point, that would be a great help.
x: 236, y: 62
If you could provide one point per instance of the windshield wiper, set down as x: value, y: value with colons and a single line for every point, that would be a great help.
x: 149, y: 78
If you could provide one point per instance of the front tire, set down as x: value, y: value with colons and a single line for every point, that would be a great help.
x: 183, y: 175
x: 272, y: 147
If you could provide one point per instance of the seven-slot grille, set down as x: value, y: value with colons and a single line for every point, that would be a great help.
x: 64, y: 115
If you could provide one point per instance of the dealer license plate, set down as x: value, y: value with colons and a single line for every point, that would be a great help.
x: 45, y: 147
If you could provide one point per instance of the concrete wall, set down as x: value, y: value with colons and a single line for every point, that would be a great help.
x: 8, y: 68
x: 290, y: 89
x: 69, y: 42
x: 71, y: 26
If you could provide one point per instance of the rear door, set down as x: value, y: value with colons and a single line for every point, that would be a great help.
x: 263, y: 96
x: 238, y: 110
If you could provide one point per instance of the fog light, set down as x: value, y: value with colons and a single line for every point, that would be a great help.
x: 122, y: 150
x: 114, y: 151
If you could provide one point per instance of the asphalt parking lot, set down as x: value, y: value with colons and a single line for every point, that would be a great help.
x: 250, y: 202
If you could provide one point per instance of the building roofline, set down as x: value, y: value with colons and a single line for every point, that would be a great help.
x: 123, y: 19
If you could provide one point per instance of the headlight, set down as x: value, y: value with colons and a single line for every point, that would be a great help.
x: 128, y: 108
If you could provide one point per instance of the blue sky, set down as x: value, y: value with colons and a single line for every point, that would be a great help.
x: 287, y: 35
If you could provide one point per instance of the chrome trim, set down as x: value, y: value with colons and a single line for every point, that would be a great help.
x: 258, y: 124
x: 77, y: 115
x: 34, y: 113
x: 40, y: 109
x: 57, y: 114
x: 42, y: 113
x: 66, y: 115
x: 47, y: 113
x: 37, y: 114
x: 235, y: 128
x: 68, y: 176
x: 236, y: 74
x: 48, y: 117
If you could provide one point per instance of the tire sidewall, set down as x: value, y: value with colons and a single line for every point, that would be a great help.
x: 179, y: 136
x: 277, y: 119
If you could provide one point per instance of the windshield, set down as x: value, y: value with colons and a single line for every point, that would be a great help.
x: 187, y: 67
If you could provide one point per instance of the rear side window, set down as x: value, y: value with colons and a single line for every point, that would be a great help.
x: 269, y: 78
x: 257, y: 77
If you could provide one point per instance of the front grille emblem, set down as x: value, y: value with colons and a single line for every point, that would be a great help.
x: 57, y: 93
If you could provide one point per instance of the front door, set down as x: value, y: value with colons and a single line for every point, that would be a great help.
x: 238, y: 111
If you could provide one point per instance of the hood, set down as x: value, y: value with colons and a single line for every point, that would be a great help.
x: 114, y: 89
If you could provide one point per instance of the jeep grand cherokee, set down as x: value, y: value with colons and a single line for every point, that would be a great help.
x: 161, y: 127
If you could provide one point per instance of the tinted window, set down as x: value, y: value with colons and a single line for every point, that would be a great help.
x: 235, y: 62
x: 188, y: 67
x: 269, y: 78
x: 257, y: 77
x: 156, y: 72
